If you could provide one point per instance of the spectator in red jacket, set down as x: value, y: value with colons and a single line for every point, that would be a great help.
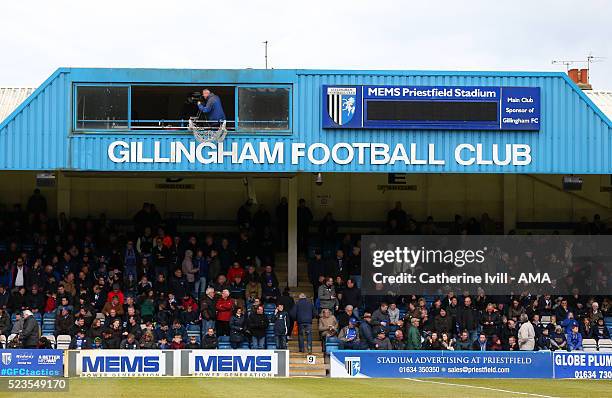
x: 116, y: 292
x: 177, y: 342
x: 234, y: 271
x: 224, y: 307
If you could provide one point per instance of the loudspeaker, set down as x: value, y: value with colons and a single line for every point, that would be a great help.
x: 572, y: 183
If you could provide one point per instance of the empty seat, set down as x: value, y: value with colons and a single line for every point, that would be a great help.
x: 63, y: 342
x: 589, y: 343
x: 48, y: 329
x: 605, y: 345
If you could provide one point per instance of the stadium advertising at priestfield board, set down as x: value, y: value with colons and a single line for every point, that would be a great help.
x: 27, y: 363
x: 442, y: 364
x: 582, y: 365
x: 431, y: 107
x: 156, y: 363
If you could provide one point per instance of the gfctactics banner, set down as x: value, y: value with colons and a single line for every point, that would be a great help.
x: 28, y: 363
x: 158, y: 363
x: 441, y: 364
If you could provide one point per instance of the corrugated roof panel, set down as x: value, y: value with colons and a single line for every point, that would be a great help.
x: 11, y: 98
x: 575, y: 136
x: 603, y: 100
x: 34, y: 137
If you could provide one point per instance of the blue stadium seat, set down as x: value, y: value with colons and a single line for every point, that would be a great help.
x: 331, y: 345
x: 608, y: 320
x: 193, y: 328
x: 48, y: 329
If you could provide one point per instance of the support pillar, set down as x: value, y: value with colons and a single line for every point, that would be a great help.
x: 292, y: 243
x: 63, y: 186
x: 510, y: 202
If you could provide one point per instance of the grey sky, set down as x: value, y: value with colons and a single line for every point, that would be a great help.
x: 36, y: 37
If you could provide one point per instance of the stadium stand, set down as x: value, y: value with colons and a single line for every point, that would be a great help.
x: 144, y: 279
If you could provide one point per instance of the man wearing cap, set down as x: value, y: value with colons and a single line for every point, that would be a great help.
x: 97, y: 343
x: 366, y: 331
x: 349, y: 337
x: 30, y: 332
x: 381, y: 342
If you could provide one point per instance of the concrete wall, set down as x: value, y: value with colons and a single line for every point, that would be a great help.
x: 353, y: 197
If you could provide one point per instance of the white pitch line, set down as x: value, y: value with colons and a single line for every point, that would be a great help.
x: 483, y: 388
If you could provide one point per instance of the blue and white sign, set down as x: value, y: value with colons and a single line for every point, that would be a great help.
x: 120, y: 363
x: 432, y: 107
x: 452, y: 364
x: 235, y: 363
x: 582, y: 365
x: 28, y: 363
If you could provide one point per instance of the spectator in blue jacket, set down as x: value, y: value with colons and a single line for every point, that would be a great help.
x: 304, y: 312
x: 366, y: 331
x: 574, y: 340
x: 569, y: 323
x: 213, y: 109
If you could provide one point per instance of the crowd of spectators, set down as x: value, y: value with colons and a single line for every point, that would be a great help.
x: 147, y: 285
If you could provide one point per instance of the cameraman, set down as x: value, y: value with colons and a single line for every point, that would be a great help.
x: 213, y: 108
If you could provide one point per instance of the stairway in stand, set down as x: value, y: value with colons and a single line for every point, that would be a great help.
x: 299, y: 364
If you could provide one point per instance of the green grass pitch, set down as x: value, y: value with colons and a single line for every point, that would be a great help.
x: 326, y: 387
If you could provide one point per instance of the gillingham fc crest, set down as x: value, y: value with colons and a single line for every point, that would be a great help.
x: 341, y: 104
x: 7, y: 357
x: 352, y: 365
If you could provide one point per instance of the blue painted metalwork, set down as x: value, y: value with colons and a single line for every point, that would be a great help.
x: 575, y: 136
